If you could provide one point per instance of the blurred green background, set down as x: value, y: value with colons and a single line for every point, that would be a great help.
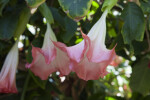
x: 128, y: 26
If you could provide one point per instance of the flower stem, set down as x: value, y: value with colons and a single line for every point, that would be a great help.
x: 25, y: 86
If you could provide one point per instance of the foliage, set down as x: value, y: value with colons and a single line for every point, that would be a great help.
x: 76, y: 8
x: 128, y: 26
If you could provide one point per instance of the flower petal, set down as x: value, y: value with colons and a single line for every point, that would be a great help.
x: 8, y: 85
x: 98, y: 51
x: 78, y: 51
x: 38, y: 65
x: 62, y: 62
x: 48, y: 48
x: 90, y: 71
x: 40, y: 68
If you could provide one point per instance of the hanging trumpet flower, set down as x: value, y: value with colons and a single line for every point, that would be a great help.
x: 8, y: 72
x: 50, y: 58
x: 90, y: 58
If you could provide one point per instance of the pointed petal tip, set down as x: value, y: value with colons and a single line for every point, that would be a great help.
x: 60, y: 45
x: 28, y: 65
x: 84, y: 35
x: 115, y: 46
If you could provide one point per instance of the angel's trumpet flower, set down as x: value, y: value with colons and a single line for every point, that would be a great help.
x: 90, y: 58
x: 8, y: 72
x: 50, y: 58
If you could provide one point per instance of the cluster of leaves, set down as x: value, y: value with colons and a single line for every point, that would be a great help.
x: 128, y: 25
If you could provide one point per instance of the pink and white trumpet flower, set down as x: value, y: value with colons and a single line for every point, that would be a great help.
x: 90, y: 57
x: 50, y: 58
x: 8, y: 72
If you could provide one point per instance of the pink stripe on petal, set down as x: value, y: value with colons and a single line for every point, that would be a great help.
x: 48, y: 48
x: 49, y: 56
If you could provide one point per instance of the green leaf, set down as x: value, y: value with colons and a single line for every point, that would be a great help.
x: 134, y: 25
x: 70, y: 27
x: 8, y: 25
x: 45, y: 11
x: 4, y: 47
x: 67, y: 24
x: 108, y: 4
x: 57, y: 16
x: 145, y: 6
x: 2, y: 5
x: 95, y: 4
x: 140, y: 78
x: 14, y: 23
x: 76, y: 9
x: 140, y: 47
x: 34, y: 3
x: 22, y: 22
